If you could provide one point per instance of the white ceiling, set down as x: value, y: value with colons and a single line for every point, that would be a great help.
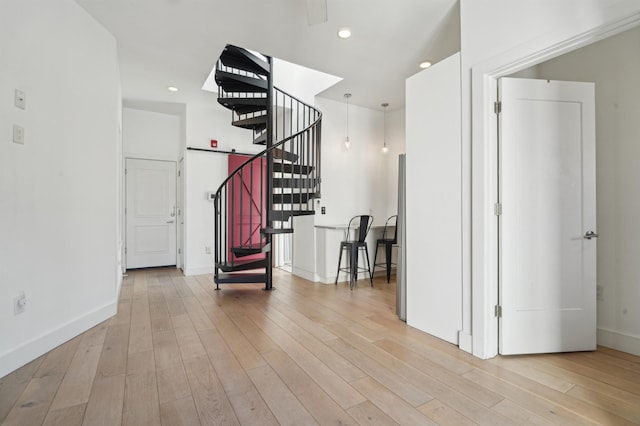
x: 177, y: 42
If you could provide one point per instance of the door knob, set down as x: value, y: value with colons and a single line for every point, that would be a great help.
x: 170, y: 221
x: 590, y: 234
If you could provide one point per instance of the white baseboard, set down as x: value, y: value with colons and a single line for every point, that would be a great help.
x: 465, y: 342
x: 32, y: 349
x: 624, y: 342
x: 310, y: 276
x: 204, y: 270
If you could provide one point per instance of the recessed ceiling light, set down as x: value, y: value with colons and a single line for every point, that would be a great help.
x: 172, y: 89
x: 425, y: 64
x: 344, y: 33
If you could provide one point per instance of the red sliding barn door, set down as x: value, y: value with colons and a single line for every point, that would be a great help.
x: 247, y: 201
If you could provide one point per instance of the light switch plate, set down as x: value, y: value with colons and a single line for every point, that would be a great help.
x: 18, y: 134
x: 20, y: 99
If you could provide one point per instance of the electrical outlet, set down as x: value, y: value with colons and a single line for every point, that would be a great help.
x: 207, y: 250
x: 323, y: 210
x: 19, y: 303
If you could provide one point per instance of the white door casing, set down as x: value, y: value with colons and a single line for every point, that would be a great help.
x: 547, y: 196
x: 150, y: 213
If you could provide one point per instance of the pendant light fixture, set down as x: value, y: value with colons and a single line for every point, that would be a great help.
x: 347, y: 141
x: 384, y: 129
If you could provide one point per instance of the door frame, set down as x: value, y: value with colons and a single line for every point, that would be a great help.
x: 124, y: 201
x: 483, y: 157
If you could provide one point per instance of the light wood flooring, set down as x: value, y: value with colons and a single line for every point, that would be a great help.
x: 179, y: 352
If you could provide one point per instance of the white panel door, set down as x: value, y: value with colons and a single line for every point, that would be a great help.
x: 151, y: 213
x: 434, y: 200
x: 547, y: 191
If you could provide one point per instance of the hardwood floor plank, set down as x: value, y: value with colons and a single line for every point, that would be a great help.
x: 181, y: 412
x: 550, y: 410
x: 330, y: 382
x: 520, y: 365
x: 166, y: 350
x: 12, y: 385
x: 258, y: 339
x: 366, y: 413
x: 94, y: 336
x: 113, y: 360
x: 69, y: 416
x: 519, y: 414
x: 187, y: 337
x: 57, y: 361
x: 141, y: 406
x: 33, y: 405
x: 282, y: 403
x: 381, y: 374
x: 106, y: 401
x: 444, y: 415
x: 390, y: 403
x: 213, y: 406
x: 245, y: 353
x: 172, y: 384
x: 323, y: 408
x: 341, y: 366
x: 611, y: 404
x: 78, y: 380
x: 247, y: 403
x: 456, y: 382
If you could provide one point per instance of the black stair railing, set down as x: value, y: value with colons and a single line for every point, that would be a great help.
x: 258, y: 199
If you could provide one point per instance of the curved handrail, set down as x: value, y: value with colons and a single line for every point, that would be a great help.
x: 276, y: 145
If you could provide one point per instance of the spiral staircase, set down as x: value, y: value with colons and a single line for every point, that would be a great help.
x: 258, y: 199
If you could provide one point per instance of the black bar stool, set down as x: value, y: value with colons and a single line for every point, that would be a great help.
x: 362, y: 223
x: 388, y: 244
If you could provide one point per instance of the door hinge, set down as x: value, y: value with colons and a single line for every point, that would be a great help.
x: 498, y: 311
x: 497, y: 209
x: 497, y: 107
x: 179, y: 173
x: 125, y: 250
x: 179, y: 251
x: 125, y: 171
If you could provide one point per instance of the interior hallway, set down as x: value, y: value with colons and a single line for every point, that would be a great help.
x: 179, y: 352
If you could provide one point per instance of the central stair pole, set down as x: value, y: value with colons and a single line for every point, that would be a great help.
x: 269, y: 183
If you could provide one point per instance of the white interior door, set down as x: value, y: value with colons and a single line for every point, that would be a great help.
x: 151, y: 213
x: 433, y: 245
x: 547, y: 193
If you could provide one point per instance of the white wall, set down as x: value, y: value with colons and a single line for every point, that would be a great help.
x: 495, y: 34
x: 151, y: 135
x: 204, y: 172
x: 354, y: 181
x: 59, y: 219
x: 614, y: 65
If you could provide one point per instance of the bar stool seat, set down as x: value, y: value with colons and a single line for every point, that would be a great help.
x: 388, y: 244
x: 362, y: 223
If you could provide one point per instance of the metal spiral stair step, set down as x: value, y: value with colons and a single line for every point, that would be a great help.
x: 242, y: 278
x: 293, y: 198
x: 243, y: 251
x: 240, y: 83
x: 241, y: 265
x: 236, y: 57
x: 257, y: 123
x: 292, y: 168
x: 294, y: 183
x: 244, y: 105
x: 285, y: 215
